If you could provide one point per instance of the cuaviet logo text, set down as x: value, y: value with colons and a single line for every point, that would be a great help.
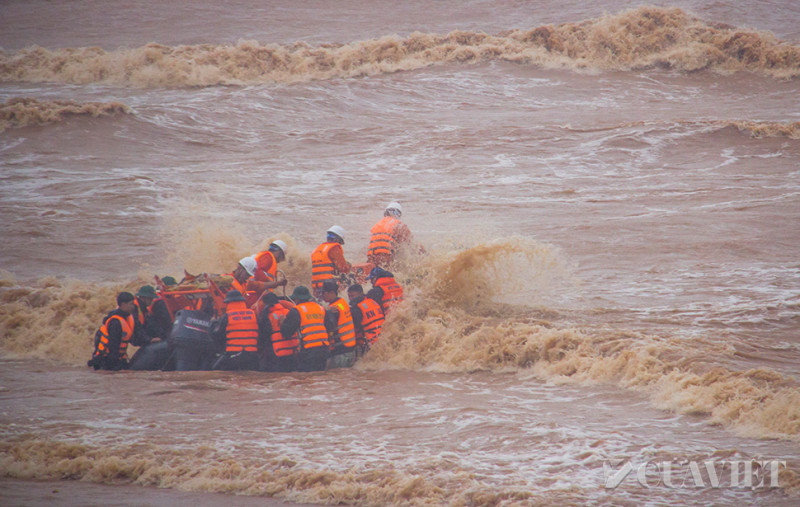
x: 698, y: 474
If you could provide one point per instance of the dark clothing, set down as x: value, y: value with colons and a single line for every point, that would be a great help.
x: 199, y: 356
x: 355, y: 311
x: 291, y: 323
x: 358, y: 320
x: 269, y: 361
x: 278, y: 364
x: 159, y: 322
x: 331, y: 323
x: 314, y: 359
x: 219, y: 333
x: 376, y: 294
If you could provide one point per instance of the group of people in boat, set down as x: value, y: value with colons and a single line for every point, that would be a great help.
x: 255, y: 328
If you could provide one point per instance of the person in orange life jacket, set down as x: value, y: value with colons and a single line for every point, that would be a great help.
x: 266, y: 273
x: 339, y: 323
x: 245, y: 269
x: 277, y: 353
x: 388, y: 236
x: 238, y: 330
x: 327, y: 260
x: 111, y: 340
x: 306, y: 322
x: 367, y: 317
x: 385, y: 289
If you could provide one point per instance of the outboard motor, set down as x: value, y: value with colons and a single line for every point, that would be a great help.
x: 194, y: 348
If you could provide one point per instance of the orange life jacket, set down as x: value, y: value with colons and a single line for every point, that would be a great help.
x: 383, y: 240
x: 345, y: 331
x: 242, y: 329
x: 322, y: 266
x: 142, y: 312
x: 267, y: 267
x: 101, y: 347
x: 249, y: 295
x: 238, y: 286
x: 281, y: 346
x: 392, y: 292
x: 372, y: 320
x: 312, y: 332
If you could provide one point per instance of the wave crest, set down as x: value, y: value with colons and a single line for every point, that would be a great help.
x: 642, y: 38
x: 23, y: 112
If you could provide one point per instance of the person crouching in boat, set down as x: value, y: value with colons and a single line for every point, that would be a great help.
x: 111, y: 340
x: 339, y: 323
x: 367, y: 317
x: 239, y: 328
x: 385, y: 289
x: 278, y: 354
x: 306, y: 322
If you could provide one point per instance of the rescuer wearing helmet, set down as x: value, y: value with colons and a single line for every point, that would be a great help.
x: 238, y: 329
x: 388, y: 236
x: 327, y: 260
x: 244, y: 271
x: 266, y: 273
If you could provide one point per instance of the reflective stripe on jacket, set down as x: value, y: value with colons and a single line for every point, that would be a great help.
x: 322, y: 266
x: 312, y: 332
x: 127, y: 324
x: 241, y: 332
x: 372, y: 320
x: 392, y: 292
x: 280, y: 345
x: 345, y: 331
x: 383, y: 241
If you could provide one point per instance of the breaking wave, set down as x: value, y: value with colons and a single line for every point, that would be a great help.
x: 23, y: 112
x: 451, y: 326
x: 768, y: 129
x: 449, y: 323
x: 642, y: 38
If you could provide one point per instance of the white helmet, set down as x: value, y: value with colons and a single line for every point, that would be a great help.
x: 249, y: 264
x: 280, y: 244
x: 339, y: 231
x: 395, y: 206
